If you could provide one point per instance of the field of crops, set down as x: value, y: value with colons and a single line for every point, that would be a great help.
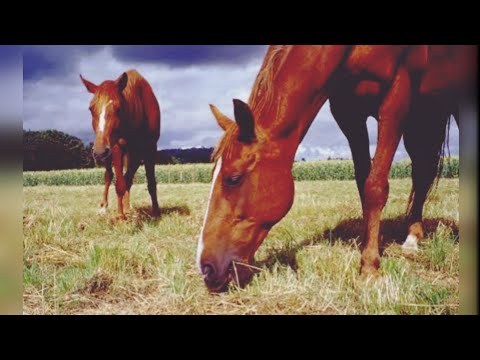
x: 202, y: 173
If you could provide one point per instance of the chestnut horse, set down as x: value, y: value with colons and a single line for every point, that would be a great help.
x: 126, y: 122
x: 410, y: 90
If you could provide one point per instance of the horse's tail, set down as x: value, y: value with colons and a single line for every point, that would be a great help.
x: 443, y: 152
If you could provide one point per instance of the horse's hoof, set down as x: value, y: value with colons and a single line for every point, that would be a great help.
x: 102, y: 210
x: 410, y: 246
x: 118, y: 219
x: 369, y: 272
x: 155, y: 212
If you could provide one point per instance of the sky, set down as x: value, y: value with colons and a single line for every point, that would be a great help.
x: 184, y: 78
x: 11, y: 84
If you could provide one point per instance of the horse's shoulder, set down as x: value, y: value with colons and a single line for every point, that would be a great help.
x: 380, y: 61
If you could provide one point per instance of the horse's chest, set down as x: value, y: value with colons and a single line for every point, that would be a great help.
x: 367, y: 88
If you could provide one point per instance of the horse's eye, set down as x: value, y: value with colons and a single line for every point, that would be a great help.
x: 91, y: 109
x: 233, y: 180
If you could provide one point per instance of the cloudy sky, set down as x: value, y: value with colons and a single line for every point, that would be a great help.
x: 11, y: 84
x: 185, y: 80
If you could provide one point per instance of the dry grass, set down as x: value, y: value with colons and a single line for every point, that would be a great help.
x: 76, y: 261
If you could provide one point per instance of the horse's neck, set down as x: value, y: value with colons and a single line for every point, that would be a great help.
x: 298, y: 91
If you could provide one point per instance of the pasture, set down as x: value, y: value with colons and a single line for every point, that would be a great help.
x: 78, y: 262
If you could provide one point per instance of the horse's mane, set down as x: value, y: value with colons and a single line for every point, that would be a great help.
x: 261, y: 96
x: 260, y: 100
x: 227, y: 144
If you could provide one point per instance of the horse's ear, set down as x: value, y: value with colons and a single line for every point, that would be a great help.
x: 223, y: 121
x: 245, y: 121
x: 91, y: 87
x: 122, y: 81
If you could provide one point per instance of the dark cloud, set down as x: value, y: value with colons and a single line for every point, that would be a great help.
x: 183, y: 55
x: 41, y: 61
x: 10, y: 55
x: 53, y: 60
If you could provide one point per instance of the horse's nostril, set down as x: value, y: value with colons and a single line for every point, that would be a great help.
x: 208, y: 271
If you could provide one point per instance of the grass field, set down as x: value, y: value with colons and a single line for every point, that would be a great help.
x: 78, y: 262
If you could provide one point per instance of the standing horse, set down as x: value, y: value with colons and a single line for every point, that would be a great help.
x: 410, y: 90
x: 126, y: 122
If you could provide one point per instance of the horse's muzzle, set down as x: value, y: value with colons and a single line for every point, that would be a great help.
x: 217, y: 280
x: 214, y: 280
x: 102, y: 157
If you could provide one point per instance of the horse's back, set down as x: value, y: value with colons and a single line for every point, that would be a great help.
x: 445, y: 74
x: 441, y: 67
x: 142, y: 104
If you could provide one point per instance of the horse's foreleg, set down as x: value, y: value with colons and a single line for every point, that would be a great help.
x: 391, y: 115
x: 359, y: 147
x: 120, y: 184
x: 152, y: 182
x: 108, y: 181
x: 354, y: 127
x: 132, y: 167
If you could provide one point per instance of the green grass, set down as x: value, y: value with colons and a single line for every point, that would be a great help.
x: 76, y: 261
x: 202, y: 173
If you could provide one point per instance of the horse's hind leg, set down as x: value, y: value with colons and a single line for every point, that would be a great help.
x: 108, y: 181
x: 152, y: 182
x: 354, y: 127
x: 391, y: 115
x: 424, y: 135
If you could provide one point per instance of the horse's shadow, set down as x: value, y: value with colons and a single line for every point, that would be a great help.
x: 349, y: 231
x: 145, y: 214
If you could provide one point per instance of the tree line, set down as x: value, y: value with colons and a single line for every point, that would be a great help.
x: 56, y: 150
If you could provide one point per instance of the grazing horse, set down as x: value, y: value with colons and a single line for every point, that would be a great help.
x: 126, y: 122
x: 410, y: 90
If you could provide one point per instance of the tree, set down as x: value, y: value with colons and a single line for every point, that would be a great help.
x: 52, y: 150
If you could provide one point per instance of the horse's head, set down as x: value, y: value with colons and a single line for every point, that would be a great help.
x: 252, y: 189
x: 106, y: 107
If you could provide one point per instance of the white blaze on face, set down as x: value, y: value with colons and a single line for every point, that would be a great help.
x: 101, y: 118
x: 218, y: 167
